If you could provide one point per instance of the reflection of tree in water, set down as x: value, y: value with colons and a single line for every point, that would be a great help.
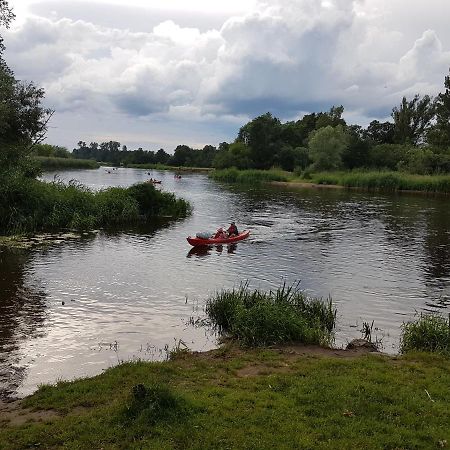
x: 437, y: 241
x: 22, y: 312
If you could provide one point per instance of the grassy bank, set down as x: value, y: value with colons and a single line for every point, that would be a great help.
x: 386, y: 181
x: 279, y: 398
x: 50, y: 163
x: 165, y: 167
x: 28, y: 205
x: 249, y: 176
x: 382, y: 181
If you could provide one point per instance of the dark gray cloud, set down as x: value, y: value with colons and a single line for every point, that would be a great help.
x: 206, y: 73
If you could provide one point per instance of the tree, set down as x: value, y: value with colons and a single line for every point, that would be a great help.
x: 237, y: 155
x: 331, y: 118
x: 412, y: 119
x: 23, y: 120
x: 439, y: 135
x: 357, y: 151
x: 326, y: 147
x: 380, y: 132
x: 262, y: 136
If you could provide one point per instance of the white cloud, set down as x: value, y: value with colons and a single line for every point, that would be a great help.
x: 283, y: 56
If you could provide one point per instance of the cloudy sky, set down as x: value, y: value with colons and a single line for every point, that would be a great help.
x: 157, y: 74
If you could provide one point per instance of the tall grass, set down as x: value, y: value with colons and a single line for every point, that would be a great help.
x: 251, y: 176
x: 28, y: 205
x: 258, y: 318
x: 429, y: 333
x: 159, y: 166
x: 387, y: 180
x: 49, y: 163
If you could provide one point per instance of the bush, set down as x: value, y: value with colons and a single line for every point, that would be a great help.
x: 256, y: 318
x: 430, y: 333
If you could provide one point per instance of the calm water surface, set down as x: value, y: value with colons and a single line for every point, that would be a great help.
x: 127, y: 295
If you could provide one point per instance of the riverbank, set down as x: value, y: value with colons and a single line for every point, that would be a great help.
x: 387, y: 181
x: 281, y: 397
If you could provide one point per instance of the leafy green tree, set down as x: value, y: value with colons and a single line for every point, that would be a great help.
x: 237, y: 155
x: 388, y: 156
x: 412, y: 119
x: 326, y: 147
x: 439, y: 135
x: 262, y: 137
x: 331, y: 118
x: 23, y: 120
x: 380, y: 132
x: 357, y: 152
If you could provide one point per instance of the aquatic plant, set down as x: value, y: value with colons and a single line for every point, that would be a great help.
x: 257, y: 318
x: 387, y: 181
x: 251, y: 176
x: 430, y: 333
x: 51, y: 162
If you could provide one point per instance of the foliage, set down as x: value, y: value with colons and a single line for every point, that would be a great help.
x: 257, y: 318
x: 112, y: 153
x: 387, y: 156
x: 236, y: 155
x: 439, y: 135
x: 429, y: 333
x: 412, y: 120
x: 261, y: 136
x: 29, y: 205
x: 326, y: 147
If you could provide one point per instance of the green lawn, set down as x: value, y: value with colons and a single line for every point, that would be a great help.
x: 253, y: 399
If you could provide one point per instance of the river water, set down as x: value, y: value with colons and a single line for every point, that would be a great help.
x: 80, y: 306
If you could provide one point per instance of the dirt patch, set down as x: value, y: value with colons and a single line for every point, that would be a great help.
x: 13, y: 413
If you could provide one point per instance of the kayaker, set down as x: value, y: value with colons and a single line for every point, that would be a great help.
x: 220, y: 234
x: 232, y: 230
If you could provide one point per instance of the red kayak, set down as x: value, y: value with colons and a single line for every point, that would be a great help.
x: 195, y: 241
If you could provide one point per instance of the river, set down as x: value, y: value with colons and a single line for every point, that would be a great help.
x: 82, y: 305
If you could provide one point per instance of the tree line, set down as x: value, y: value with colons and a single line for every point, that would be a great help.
x: 417, y: 140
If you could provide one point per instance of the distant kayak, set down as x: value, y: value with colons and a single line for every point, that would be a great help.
x: 154, y: 181
x: 195, y: 241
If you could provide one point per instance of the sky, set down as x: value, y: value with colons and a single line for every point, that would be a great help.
x: 156, y: 74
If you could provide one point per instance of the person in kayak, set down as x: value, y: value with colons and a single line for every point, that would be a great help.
x: 220, y: 234
x: 232, y: 230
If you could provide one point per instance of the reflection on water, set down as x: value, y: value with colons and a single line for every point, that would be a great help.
x: 79, y: 307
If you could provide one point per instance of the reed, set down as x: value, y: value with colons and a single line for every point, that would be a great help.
x: 51, y: 163
x: 251, y: 176
x: 257, y: 318
x: 28, y: 205
x: 429, y: 333
x: 386, y: 181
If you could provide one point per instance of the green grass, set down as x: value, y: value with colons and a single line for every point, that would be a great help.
x: 430, y: 332
x: 386, y: 181
x: 50, y: 163
x: 252, y: 176
x: 257, y: 399
x: 28, y: 205
x: 256, y: 318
